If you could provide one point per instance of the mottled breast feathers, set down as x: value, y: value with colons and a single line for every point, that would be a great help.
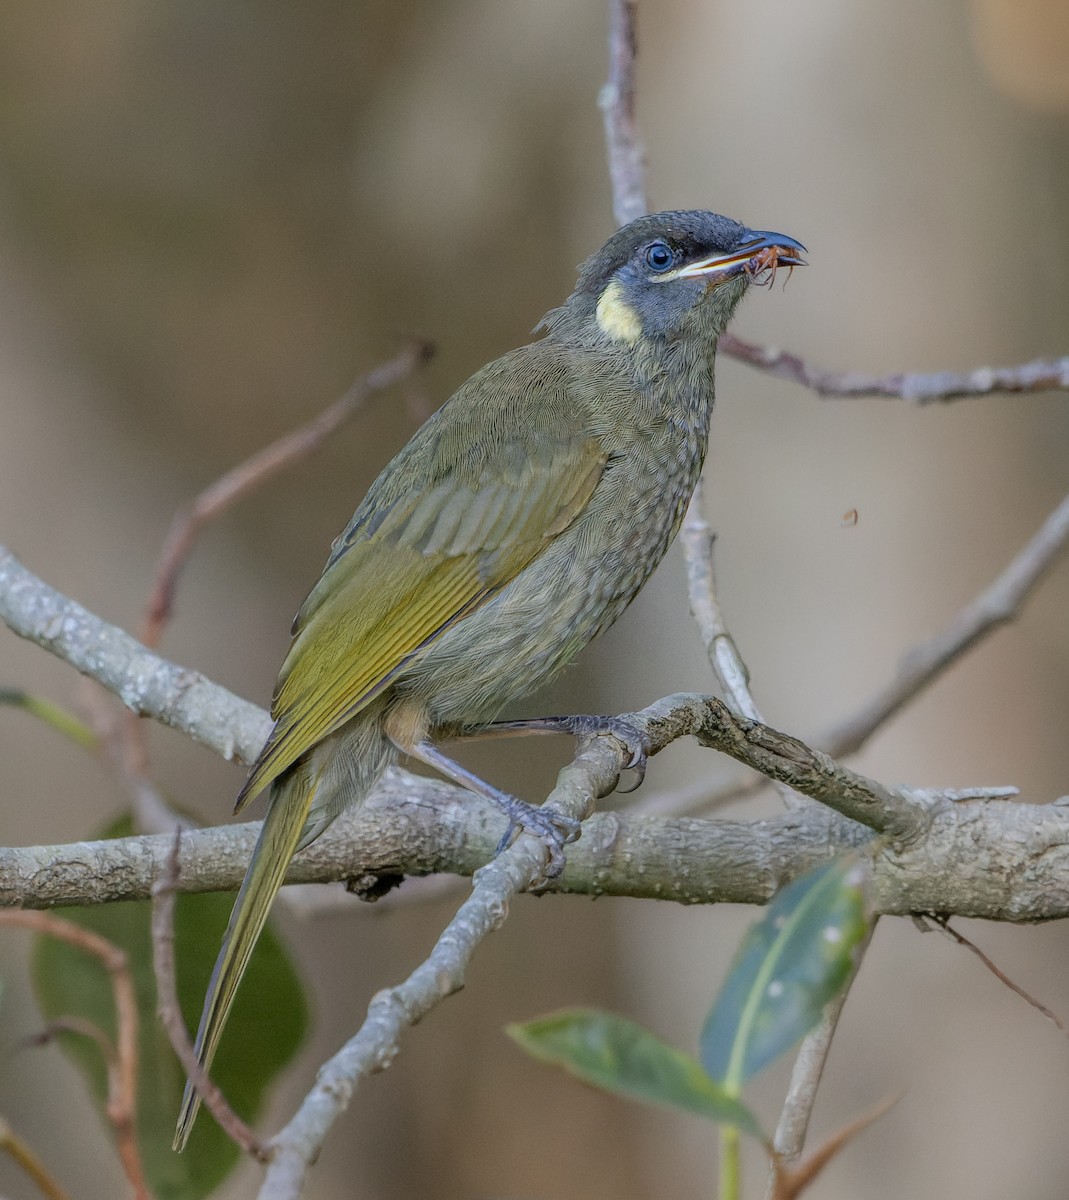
x: 412, y: 563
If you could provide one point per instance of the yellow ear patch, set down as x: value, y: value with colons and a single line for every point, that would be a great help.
x: 616, y: 318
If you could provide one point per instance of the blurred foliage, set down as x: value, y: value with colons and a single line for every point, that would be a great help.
x: 267, y: 1025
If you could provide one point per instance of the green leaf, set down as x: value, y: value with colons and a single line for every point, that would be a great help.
x: 59, y: 718
x: 263, y: 1033
x: 621, y: 1057
x: 788, y: 967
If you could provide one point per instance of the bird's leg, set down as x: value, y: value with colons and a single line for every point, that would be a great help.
x: 554, y: 829
x: 582, y: 727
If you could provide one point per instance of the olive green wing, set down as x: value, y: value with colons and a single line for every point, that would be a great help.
x: 409, y: 568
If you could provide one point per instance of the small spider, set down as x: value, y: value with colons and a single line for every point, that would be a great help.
x: 767, y: 260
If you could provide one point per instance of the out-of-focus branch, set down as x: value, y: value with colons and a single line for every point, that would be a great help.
x: 1042, y: 375
x: 998, y: 603
x: 126, y: 743
x: 627, y: 159
x: 287, y: 450
x: 22, y: 1153
x: 121, y: 1104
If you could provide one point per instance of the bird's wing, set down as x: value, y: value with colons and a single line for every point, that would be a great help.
x: 410, y: 565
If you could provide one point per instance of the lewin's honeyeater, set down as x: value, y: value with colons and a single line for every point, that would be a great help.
x: 515, y: 526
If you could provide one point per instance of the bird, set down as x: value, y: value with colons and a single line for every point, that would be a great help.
x: 514, y: 527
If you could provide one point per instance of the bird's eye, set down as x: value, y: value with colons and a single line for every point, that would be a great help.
x: 659, y: 256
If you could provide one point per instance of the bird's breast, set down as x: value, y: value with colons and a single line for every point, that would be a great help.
x: 575, y: 588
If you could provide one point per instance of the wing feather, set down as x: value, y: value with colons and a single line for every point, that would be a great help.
x: 393, y: 585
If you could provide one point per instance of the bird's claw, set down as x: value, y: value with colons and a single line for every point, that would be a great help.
x: 553, y: 829
x: 635, y: 740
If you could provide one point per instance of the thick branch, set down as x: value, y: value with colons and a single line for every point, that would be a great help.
x: 994, y: 859
x: 147, y: 684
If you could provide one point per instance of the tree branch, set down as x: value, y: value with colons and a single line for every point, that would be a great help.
x: 239, y: 481
x: 122, y: 1076
x: 627, y: 159
x: 998, y: 860
x: 997, y: 604
x: 147, y: 684
x: 1041, y: 375
x: 593, y: 773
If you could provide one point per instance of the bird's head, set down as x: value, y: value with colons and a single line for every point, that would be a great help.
x: 673, y: 271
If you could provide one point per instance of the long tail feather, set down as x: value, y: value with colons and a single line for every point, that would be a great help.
x: 278, y: 841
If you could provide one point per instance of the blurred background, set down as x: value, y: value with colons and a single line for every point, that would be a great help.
x: 214, y: 215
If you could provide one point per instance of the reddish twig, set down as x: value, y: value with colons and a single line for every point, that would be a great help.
x: 163, y: 900
x: 944, y: 925
x: 790, y: 1180
x: 121, y: 1104
x: 131, y: 752
x: 627, y: 159
x: 1042, y: 375
x: 253, y: 472
x: 82, y: 1028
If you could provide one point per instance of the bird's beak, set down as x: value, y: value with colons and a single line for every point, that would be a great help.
x: 758, y: 251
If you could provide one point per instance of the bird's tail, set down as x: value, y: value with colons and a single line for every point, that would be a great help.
x: 278, y: 841
x: 337, y: 773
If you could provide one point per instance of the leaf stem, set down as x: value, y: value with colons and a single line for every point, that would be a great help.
x: 730, y: 1171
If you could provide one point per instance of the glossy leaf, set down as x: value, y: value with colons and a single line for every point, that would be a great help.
x: 264, y: 1031
x: 619, y: 1056
x: 788, y: 967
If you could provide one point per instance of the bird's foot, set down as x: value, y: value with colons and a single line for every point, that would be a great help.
x: 554, y: 830
x: 583, y: 727
x: 634, y: 740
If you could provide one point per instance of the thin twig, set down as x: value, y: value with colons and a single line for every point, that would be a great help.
x: 943, y: 923
x: 997, y: 604
x: 22, y: 1153
x: 122, y: 1091
x: 163, y: 900
x: 808, y: 1070
x: 627, y: 159
x: 81, y: 1028
x: 1041, y: 375
x: 254, y: 472
x: 61, y: 720
x: 696, y: 538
